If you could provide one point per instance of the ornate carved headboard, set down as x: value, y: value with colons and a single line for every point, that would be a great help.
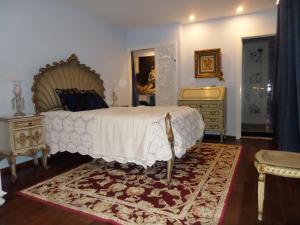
x: 63, y: 75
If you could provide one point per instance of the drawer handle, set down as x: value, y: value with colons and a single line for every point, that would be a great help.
x: 30, y: 123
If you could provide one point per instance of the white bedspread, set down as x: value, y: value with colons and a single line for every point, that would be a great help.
x: 124, y: 134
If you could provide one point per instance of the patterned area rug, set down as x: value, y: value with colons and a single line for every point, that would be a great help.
x: 128, y: 194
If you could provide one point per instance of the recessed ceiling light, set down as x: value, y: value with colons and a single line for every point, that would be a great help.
x: 239, y: 9
x: 192, y: 18
x: 277, y: 2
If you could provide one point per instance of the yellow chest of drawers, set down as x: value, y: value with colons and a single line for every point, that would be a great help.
x: 22, y: 136
x: 211, y: 102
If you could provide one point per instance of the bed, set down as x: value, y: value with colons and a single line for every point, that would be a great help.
x: 142, y: 135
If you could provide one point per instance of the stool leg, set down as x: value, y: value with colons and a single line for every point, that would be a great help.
x: 261, y: 195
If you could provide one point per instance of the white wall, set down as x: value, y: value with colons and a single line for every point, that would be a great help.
x: 226, y: 34
x: 34, y: 33
x: 153, y: 37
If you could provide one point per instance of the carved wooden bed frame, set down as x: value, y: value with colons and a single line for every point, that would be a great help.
x: 63, y: 75
x: 72, y: 74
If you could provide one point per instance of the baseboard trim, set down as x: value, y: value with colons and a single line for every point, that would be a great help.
x: 257, y: 138
x: 19, y: 166
x: 217, y: 137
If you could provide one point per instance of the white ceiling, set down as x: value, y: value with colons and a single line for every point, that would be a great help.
x: 131, y: 14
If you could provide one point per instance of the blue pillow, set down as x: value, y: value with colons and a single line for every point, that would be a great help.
x: 92, y: 100
x: 70, y: 99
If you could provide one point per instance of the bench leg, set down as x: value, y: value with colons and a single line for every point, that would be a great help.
x: 261, y: 195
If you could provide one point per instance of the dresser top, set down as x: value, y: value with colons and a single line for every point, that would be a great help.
x: 203, y: 93
x: 16, y: 118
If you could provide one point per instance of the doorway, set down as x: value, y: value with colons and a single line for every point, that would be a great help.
x: 144, y: 63
x: 257, y: 86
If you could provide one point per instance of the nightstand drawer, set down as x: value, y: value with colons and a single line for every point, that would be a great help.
x: 22, y: 139
x: 26, y: 138
x: 37, y: 136
x: 27, y: 123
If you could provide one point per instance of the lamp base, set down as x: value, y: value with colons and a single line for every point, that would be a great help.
x: 20, y: 113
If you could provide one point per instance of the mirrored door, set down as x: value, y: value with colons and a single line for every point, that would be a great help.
x: 258, y: 73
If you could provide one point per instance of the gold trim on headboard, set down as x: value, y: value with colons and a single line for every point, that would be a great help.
x: 63, y: 75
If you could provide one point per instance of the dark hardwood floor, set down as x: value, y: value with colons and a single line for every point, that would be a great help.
x: 282, y: 197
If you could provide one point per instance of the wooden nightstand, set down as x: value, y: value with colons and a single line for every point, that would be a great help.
x: 22, y: 136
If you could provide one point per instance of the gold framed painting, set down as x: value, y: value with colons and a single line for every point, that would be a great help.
x: 208, y: 64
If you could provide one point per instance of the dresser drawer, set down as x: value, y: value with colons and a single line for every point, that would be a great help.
x: 220, y: 125
x: 27, y: 123
x: 212, y: 120
x: 194, y: 106
x: 209, y: 106
x: 212, y: 127
x: 211, y: 113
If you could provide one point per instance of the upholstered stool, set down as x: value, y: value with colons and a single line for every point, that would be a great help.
x: 278, y: 163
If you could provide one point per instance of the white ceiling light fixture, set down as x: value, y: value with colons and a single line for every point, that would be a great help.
x: 277, y: 2
x: 239, y: 9
x: 192, y: 18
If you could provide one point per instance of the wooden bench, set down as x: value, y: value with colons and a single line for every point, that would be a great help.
x: 278, y: 163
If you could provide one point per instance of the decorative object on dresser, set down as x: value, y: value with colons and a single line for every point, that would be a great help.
x: 22, y: 136
x: 18, y: 101
x: 211, y: 102
x: 208, y: 64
